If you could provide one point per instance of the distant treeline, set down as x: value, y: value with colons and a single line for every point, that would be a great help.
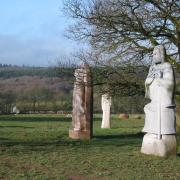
x: 9, y: 71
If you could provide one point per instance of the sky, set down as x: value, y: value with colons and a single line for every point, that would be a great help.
x: 32, y: 32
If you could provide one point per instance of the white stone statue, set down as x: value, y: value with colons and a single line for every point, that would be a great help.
x: 15, y: 110
x: 160, y: 112
x: 106, y: 106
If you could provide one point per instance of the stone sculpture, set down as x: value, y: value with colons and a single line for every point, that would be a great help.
x: 15, y: 110
x: 159, y: 125
x: 82, y: 105
x: 106, y: 106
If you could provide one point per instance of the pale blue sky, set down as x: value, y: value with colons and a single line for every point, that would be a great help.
x: 32, y: 32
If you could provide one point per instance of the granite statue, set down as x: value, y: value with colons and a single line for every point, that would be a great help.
x: 160, y: 117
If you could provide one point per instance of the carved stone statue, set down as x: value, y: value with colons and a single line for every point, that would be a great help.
x: 106, y: 106
x: 159, y: 125
x: 82, y: 105
x: 15, y: 110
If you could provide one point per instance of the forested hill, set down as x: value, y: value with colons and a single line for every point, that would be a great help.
x: 35, y: 88
x: 16, y: 71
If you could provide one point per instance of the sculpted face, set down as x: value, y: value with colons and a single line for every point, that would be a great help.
x: 158, y: 54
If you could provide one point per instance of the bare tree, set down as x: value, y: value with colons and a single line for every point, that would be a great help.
x: 127, y: 30
x: 122, y: 79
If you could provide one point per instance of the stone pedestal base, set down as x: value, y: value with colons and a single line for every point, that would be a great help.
x: 79, y: 134
x: 159, y: 147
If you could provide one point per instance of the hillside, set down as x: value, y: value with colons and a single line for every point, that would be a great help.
x: 16, y: 71
x: 19, y: 79
x: 35, y: 88
x: 25, y: 83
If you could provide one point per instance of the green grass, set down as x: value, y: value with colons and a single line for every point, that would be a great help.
x: 38, y: 147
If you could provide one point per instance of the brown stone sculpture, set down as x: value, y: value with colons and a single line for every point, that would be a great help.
x: 82, y: 104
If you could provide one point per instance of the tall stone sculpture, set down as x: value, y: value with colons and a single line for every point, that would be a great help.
x: 106, y: 106
x: 82, y: 105
x: 160, y: 139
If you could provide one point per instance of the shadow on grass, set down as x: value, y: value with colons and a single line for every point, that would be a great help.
x: 35, y: 119
x: 2, y: 139
x: 131, y: 140
x: 25, y: 127
x: 120, y: 136
x: 128, y: 127
x: 119, y: 139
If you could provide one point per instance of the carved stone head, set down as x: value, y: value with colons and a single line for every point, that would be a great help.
x: 159, y: 54
x: 82, y: 74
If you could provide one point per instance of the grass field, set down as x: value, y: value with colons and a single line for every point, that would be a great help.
x: 38, y: 147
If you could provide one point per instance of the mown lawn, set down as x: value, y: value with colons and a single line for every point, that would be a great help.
x: 38, y: 147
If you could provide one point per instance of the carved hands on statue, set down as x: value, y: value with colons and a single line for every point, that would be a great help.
x: 155, y: 75
x: 158, y: 75
x: 150, y: 78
